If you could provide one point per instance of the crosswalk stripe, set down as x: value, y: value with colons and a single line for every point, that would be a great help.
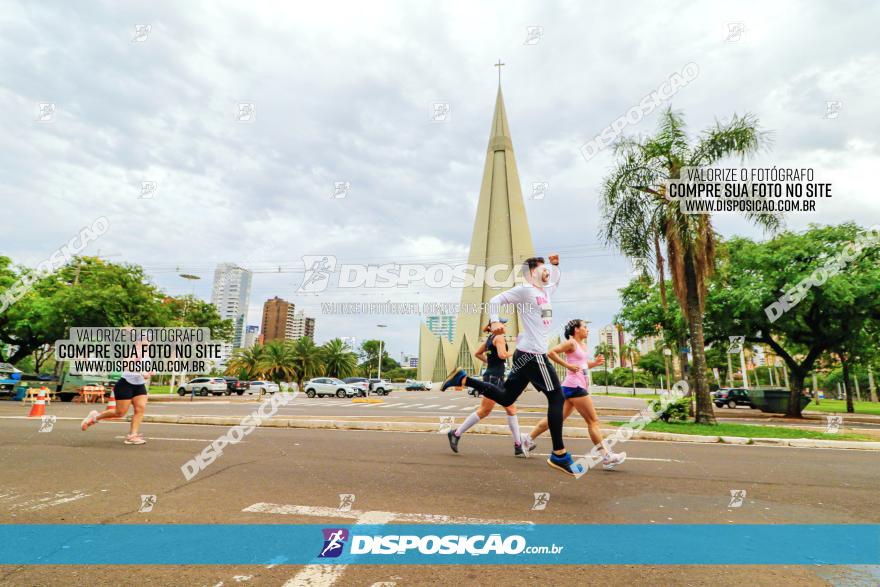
x: 448, y: 407
x: 431, y: 406
x: 391, y: 405
x: 414, y: 405
x: 466, y: 408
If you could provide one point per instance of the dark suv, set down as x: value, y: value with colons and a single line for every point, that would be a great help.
x: 234, y: 385
x: 732, y: 397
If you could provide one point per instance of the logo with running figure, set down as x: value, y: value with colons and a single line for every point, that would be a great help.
x: 318, y: 269
x: 334, y: 540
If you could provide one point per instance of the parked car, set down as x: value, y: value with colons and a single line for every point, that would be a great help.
x: 412, y: 385
x: 732, y: 397
x: 204, y: 386
x: 362, y: 383
x: 380, y: 386
x: 234, y: 385
x: 322, y: 386
x: 261, y: 387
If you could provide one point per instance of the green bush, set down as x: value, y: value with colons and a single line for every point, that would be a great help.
x: 675, y: 411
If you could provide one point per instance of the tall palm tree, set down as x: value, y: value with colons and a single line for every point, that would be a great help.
x: 277, y: 363
x: 630, y: 350
x: 307, y: 360
x: 338, y: 360
x: 638, y: 217
x: 607, y: 352
x: 247, y: 361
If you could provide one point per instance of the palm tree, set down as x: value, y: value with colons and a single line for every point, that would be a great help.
x: 277, y: 364
x: 307, y: 360
x: 638, y: 217
x: 630, y: 350
x: 338, y: 360
x: 607, y: 352
x: 247, y: 362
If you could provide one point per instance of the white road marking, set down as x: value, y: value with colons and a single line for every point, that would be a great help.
x: 413, y: 405
x: 33, y: 505
x: 431, y: 406
x: 330, y: 512
x: 181, y: 439
x: 448, y: 407
x: 540, y: 454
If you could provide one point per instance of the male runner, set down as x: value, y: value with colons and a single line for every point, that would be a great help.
x: 530, y: 362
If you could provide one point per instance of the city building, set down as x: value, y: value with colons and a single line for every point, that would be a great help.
x: 443, y: 326
x: 611, y: 336
x: 278, y: 320
x: 231, y: 295
x: 408, y: 361
x: 251, y: 336
x: 303, y: 326
x: 648, y: 344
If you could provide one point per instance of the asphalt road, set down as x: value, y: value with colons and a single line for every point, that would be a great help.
x: 67, y: 476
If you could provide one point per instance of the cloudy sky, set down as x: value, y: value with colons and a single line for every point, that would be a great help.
x: 343, y: 92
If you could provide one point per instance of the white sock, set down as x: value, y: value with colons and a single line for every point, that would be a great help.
x: 513, y: 424
x: 468, y: 423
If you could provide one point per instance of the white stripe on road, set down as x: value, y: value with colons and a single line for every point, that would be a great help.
x: 448, y: 407
x: 431, y: 406
x: 328, y: 512
x: 413, y: 405
x: 540, y: 454
x: 390, y: 405
x: 181, y: 439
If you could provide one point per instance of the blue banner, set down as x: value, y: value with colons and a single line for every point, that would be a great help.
x: 418, y: 544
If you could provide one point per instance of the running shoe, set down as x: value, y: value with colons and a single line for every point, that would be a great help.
x: 453, y: 440
x: 564, y: 463
x: 611, y: 460
x: 134, y: 439
x: 454, y: 379
x: 89, y: 420
x: 527, y: 443
x: 519, y: 452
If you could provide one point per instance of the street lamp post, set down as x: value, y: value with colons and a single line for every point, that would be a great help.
x: 666, y: 354
x: 191, y: 278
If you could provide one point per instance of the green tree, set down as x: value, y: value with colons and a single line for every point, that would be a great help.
x: 307, y: 360
x: 744, y: 297
x: 278, y: 362
x: 609, y: 354
x: 338, y: 360
x: 637, y: 216
x: 369, y: 355
x: 247, y: 363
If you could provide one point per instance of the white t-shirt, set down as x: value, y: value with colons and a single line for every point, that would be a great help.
x: 134, y: 378
x: 535, y: 314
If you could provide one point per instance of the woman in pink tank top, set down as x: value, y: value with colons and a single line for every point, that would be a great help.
x: 576, y: 388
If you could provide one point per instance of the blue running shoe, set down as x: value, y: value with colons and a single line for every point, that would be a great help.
x: 565, y: 464
x: 454, y: 379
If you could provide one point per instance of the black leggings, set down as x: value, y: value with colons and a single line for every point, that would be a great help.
x: 534, y: 369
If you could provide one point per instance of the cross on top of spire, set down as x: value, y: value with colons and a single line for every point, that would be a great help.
x: 499, y: 65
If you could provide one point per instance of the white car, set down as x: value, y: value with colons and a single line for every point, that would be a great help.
x: 322, y: 386
x: 204, y: 386
x: 261, y: 387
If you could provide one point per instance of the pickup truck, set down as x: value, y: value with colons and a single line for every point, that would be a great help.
x: 235, y: 385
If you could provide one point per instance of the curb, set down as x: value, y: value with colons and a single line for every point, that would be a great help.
x: 504, y: 430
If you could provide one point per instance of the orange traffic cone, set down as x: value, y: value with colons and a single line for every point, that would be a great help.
x: 111, y: 403
x: 38, y: 410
